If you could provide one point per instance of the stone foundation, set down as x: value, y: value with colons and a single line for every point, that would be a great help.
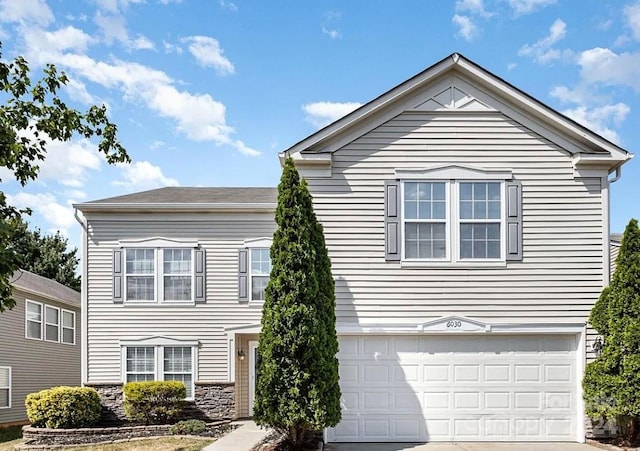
x: 213, y: 401
x: 39, y: 438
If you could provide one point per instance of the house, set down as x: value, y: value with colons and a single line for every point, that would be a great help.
x: 39, y: 342
x: 468, y: 229
x: 614, y: 250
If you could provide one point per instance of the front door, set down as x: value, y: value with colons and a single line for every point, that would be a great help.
x: 253, y: 367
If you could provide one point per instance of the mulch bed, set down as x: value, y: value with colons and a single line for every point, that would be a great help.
x: 611, y: 444
x: 275, y: 441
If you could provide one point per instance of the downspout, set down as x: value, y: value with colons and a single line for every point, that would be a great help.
x: 84, y: 305
x: 617, y: 176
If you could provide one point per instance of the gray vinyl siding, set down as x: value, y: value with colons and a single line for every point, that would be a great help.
x: 35, y: 364
x: 108, y: 323
x: 560, y: 276
x: 614, y: 250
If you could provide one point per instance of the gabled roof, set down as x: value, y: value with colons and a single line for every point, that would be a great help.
x: 575, y: 137
x: 616, y: 238
x: 47, y: 288
x: 187, y: 198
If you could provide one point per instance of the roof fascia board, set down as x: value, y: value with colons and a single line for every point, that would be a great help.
x: 168, y: 207
x: 47, y: 296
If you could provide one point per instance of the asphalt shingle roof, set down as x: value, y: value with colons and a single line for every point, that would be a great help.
x: 43, y: 286
x: 184, y: 195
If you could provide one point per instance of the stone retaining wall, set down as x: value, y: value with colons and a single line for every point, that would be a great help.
x: 35, y: 438
x: 212, y: 401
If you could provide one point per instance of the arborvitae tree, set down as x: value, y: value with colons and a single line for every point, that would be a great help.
x: 612, y: 382
x: 297, y: 385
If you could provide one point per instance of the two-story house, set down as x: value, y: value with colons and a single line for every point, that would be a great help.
x: 468, y: 229
x: 39, y: 342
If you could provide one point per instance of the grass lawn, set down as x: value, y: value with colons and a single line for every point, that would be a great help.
x: 10, y: 433
x: 159, y: 444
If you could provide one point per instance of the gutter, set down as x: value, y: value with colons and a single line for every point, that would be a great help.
x: 139, y: 206
x: 84, y: 300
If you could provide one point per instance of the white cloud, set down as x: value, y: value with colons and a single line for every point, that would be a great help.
x: 26, y: 11
x: 600, y: 119
x: 226, y: 4
x: 78, y: 92
x: 142, y: 175
x: 166, y: 2
x: 156, y: 145
x: 171, y: 48
x: 142, y: 43
x: 632, y: 14
x: 333, y: 34
x: 112, y: 26
x: 323, y: 113
x: 466, y: 28
x: 207, y: 52
x: 42, y: 44
x: 521, y: 7
x: 542, y: 50
x: 69, y: 163
x: 602, y: 65
x: 74, y: 195
x: 473, y: 7
x: 511, y: 66
x: 59, y: 216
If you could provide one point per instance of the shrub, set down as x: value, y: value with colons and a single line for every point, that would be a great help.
x: 156, y: 402
x: 188, y: 427
x: 64, y: 407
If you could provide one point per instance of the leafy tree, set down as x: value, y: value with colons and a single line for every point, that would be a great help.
x: 612, y: 382
x: 297, y: 387
x: 46, y: 255
x: 31, y: 114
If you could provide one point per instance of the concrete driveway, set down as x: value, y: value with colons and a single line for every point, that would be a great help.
x: 476, y: 446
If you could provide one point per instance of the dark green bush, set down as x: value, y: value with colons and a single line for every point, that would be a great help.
x: 156, y: 402
x: 64, y: 407
x: 188, y: 427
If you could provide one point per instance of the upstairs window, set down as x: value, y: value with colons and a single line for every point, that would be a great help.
x: 49, y: 323
x: 159, y: 270
x: 453, y: 214
x: 260, y: 271
x: 33, y: 320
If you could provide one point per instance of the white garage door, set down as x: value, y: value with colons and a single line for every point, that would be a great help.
x: 457, y: 388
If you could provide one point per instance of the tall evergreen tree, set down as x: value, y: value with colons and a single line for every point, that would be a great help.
x: 612, y: 382
x: 297, y: 386
x: 46, y: 255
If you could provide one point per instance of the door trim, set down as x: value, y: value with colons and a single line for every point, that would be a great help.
x: 253, y: 349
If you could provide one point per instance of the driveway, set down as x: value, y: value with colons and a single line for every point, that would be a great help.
x: 476, y: 446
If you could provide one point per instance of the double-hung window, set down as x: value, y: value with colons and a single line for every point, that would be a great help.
x: 160, y: 362
x: 50, y: 323
x: 5, y: 387
x: 260, y: 270
x: 164, y: 275
x: 453, y: 214
x: 254, y: 269
x: 33, y: 320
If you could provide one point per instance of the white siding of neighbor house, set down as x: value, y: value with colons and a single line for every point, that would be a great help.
x: 108, y: 323
x: 614, y: 250
x: 35, y: 364
x: 560, y: 276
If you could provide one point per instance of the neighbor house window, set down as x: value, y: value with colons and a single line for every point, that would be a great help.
x: 68, y: 327
x: 160, y: 362
x: 164, y: 275
x: 33, y: 321
x: 51, y: 323
x: 453, y: 220
x: 5, y: 387
x: 260, y: 270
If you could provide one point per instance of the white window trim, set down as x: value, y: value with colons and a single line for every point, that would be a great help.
x: 447, y: 222
x: 45, y: 323
x: 158, y: 359
x: 62, y: 327
x: 26, y: 321
x: 158, y: 275
x: 8, y: 387
x: 453, y: 220
x: 251, y: 276
x: 255, y: 243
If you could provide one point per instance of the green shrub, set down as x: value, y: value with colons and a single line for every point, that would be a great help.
x: 156, y: 402
x: 64, y: 407
x: 188, y: 427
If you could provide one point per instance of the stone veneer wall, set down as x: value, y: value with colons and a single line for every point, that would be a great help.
x: 212, y: 401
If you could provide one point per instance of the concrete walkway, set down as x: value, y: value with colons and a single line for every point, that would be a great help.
x: 242, y: 438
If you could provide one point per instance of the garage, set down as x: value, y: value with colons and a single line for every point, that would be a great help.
x: 490, y: 387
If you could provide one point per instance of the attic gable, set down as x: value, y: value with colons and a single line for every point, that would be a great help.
x: 455, y: 84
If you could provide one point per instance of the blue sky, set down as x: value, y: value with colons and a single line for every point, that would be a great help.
x: 207, y: 92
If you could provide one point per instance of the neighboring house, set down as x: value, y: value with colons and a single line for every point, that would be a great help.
x: 39, y: 342
x: 614, y: 249
x: 468, y: 229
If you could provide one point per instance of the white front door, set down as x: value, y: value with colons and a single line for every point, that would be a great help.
x: 450, y: 388
x: 253, y: 362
